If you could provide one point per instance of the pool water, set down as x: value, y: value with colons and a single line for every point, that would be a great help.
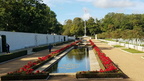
x: 75, y: 60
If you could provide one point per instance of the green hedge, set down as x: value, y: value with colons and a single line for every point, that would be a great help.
x: 36, y: 49
x: 99, y: 75
x: 40, y: 48
x: 25, y: 77
x: 60, y: 43
x: 6, y: 57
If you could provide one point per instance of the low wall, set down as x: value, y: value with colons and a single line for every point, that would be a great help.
x: 18, y: 40
x: 140, y: 48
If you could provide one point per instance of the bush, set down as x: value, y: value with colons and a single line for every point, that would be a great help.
x: 99, y: 75
x: 6, y: 57
x: 40, y: 48
x: 60, y: 43
x: 36, y: 49
x: 25, y: 77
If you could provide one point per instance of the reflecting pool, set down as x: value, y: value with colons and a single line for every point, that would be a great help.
x: 75, y: 60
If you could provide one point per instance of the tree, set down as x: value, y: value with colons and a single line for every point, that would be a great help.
x: 27, y: 16
x: 67, y: 26
x: 77, y: 26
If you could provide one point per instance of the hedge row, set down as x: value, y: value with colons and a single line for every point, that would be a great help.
x: 10, y: 56
x: 98, y: 75
x: 25, y: 77
x: 36, y: 49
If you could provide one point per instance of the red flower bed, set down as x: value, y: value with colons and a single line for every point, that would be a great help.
x: 106, y: 61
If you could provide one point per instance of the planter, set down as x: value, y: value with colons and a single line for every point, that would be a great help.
x: 24, y: 77
x: 100, y: 75
x: 42, y: 63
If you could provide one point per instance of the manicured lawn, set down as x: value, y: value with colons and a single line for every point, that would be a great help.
x: 109, y: 39
x: 117, y: 46
x: 104, y: 42
x: 133, y: 51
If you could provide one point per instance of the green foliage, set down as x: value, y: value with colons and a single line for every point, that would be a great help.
x: 119, y: 25
x: 27, y: 16
x: 24, y: 77
x: 113, y: 25
x: 40, y: 48
x: 6, y: 57
x: 117, y: 46
x: 93, y: 74
x: 76, y: 27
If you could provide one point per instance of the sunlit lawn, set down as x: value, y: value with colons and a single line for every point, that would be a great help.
x: 117, y: 46
x: 133, y: 51
x: 110, y: 39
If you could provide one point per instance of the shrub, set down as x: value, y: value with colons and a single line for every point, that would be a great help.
x: 40, y: 48
x: 25, y: 77
x: 6, y: 57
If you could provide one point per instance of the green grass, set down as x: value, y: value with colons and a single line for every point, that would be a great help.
x: 109, y: 39
x: 133, y: 51
x: 104, y: 42
x: 142, y: 45
x: 117, y: 46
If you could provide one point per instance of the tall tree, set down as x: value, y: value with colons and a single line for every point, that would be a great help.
x: 27, y: 16
x: 77, y: 26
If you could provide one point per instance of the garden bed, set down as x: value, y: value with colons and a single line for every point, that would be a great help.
x: 94, y: 74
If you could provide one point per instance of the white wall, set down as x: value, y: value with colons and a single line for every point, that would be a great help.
x: 18, y: 40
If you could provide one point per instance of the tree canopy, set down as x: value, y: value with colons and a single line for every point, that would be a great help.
x: 119, y: 25
x: 113, y: 25
x: 28, y: 16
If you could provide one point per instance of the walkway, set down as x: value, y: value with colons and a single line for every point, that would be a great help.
x: 17, y: 63
x: 131, y: 64
x: 94, y: 65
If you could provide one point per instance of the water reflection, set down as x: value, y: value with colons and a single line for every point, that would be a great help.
x: 75, y: 60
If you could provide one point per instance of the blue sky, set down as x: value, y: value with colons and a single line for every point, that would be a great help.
x: 69, y: 9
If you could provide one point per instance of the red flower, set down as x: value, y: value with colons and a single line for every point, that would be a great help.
x: 37, y: 71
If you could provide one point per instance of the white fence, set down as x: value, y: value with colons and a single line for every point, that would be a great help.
x: 140, y: 48
x: 18, y: 40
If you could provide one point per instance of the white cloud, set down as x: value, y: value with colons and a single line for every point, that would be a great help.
x: 138, y: 8
x: 86, y: 15
x: 113, y: 3
x: 54, y: 2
